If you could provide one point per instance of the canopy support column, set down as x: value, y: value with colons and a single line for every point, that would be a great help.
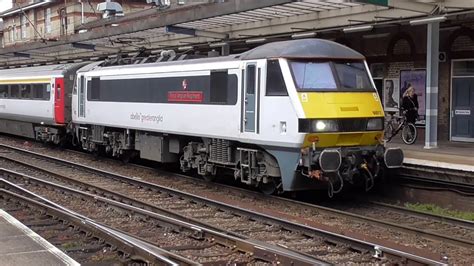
x: 432, y: 65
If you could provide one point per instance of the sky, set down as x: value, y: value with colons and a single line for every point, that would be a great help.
x: 5, y: 4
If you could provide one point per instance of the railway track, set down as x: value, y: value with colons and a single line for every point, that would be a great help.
x: 83, y: 239
x: 189, y: 244
x: 433, y: 178
x: 449, y: 230
x: 301, y: 239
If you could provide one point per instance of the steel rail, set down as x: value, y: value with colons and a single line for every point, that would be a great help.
x: 258, y: 249
x: 422, y: 214
x: 459, y: 181
x: 361, y: 245
x: 396, y: 226
x: 121, y: 240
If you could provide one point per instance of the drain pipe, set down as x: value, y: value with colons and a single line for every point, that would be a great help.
x: 82, y: 11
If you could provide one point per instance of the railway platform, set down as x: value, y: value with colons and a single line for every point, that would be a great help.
x: 21, y: 246
x: 448, y: 155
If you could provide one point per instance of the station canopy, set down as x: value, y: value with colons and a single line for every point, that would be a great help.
x: 234, y: 22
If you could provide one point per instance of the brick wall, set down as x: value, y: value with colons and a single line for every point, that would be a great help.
x: 73, y: 17
x: 405, y: 48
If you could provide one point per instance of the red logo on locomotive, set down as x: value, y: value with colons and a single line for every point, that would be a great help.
x: 185, y: 96
x: 184, y: 83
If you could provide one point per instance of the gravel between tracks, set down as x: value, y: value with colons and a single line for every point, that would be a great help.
x: 290, y: 211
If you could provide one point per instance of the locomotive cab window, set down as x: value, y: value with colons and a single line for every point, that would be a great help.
x: 275, y: 83
x: 330, y: 76
x: 352, y: 75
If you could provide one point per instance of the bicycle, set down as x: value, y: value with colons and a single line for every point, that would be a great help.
x: 394, y: 124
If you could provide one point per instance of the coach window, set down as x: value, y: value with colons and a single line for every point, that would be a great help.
x: 25, y: 91
x: 3, y: 91
x: 275, y: 83
x: 38, y: 91
x: 14, y: 91
x: 219, y: 86
x: 47, y: 92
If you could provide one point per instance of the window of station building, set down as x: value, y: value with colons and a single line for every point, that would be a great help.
x: 275, y: 83
x: 24, y: 32
x: 14, y: 91
x: 219, y: 85
x: 3, y: 91
x: 463, y: 68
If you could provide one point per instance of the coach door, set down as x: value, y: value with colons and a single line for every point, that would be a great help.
x: 82, y: 97
x: 250, y: 102
x: 59, y: 99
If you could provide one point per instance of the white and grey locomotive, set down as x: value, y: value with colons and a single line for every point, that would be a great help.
x: 286, y: 116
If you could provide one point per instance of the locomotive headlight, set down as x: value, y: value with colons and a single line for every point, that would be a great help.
x: 375, y: 124
x: 320, y: 125
x: 324, y: 126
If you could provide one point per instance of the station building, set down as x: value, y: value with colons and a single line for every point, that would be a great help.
x: 397, y: 57
x: 426, y: 44
x: 32, y: 20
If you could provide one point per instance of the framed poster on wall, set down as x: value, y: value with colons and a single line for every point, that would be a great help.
x: 417, y: 79
x: 391, y: 91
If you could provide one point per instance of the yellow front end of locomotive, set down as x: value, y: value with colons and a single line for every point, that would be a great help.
x: 353, y: 107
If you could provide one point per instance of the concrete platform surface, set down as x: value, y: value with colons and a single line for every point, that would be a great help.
x: 21, y: 246
x: 449, y: 155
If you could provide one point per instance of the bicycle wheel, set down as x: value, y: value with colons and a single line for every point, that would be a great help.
x: 388, y: 132
x: 409, y: 133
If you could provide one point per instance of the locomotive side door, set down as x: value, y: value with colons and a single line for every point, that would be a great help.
x: 81, y: 96
x: 250, y: 92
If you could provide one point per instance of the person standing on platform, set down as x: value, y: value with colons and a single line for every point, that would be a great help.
x: 410, y: 104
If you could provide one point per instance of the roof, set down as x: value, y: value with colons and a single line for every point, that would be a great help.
x: 16, y: 10
x: 232, y: 21
x: 37, y: 71
x: 305, y: 48
x: 302, y: 49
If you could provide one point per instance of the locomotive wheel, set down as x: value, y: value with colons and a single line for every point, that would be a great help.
x: 270, y: 187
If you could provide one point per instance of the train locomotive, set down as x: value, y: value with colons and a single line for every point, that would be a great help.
x: 285, y: 116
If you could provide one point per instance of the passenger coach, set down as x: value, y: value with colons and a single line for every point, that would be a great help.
x: 35, y: 102
x: 285, y: 116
